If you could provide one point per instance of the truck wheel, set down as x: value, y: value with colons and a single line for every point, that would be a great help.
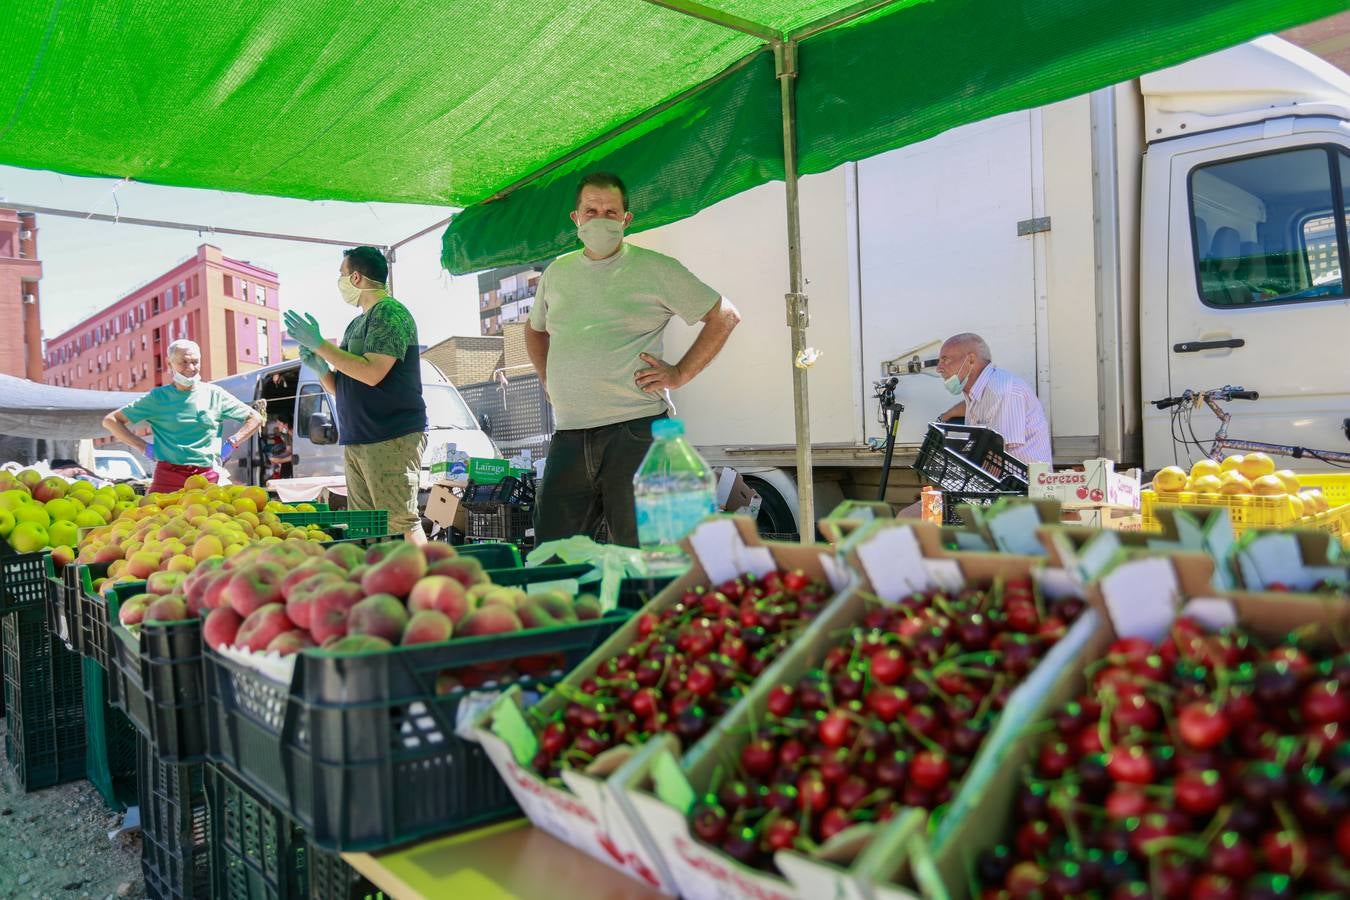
x: 776, y: 520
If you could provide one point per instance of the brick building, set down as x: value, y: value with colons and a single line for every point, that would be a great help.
x: 506, y: 295
x: 228, y: 306
x: 466, y: 360
x: 20, y: 323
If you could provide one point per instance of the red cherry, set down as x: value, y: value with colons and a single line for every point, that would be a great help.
x: 1126, y: 802
x: 759, y: 757
x: 1199, y: 793
x: 834, y: 821
x: 887, y: 703
x: 1343, y: 836
x: 1285, y: 852
x: 1202, y: 725
x: 930, y: 769
x: 889, y: 666
x: 1232, y: 856
x: 1324, y: 703
x: 782, y: 700
x: 812, y: 792
x: 781, y: 834
x: 834, y: 728
x: 1131, y: 765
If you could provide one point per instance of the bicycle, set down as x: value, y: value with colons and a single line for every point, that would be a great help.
x: 1184, y: 406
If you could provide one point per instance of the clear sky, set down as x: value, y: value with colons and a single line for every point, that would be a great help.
x: 88, y: 265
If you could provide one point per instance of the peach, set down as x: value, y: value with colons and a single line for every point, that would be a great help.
x: 328, y: 618
x: 308, y: 569
x: 379, y: 614
x: 132, y: 611
x: 168, y: 608
x: 300, y: 599
x: 489, y: 620
x: 396, y: 574
x: 289, y: 642
x: 254, y: 586
x: 428, y: 627
x: 221, y: 627
x: 348, y: 556
x: 587, y: 607
x: 262, y: 625
x: 534, y: 614
x: 164, y: 582
x: 464, y: 569
x: 379, y: 551
x: 442, y: 594
x: 437, y: 550
x: 207, y: 546
x: 108, y: 553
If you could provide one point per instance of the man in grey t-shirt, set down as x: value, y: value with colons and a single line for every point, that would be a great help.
x: 595, y: 338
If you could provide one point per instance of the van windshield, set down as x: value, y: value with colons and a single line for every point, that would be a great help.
x: 446, y: 408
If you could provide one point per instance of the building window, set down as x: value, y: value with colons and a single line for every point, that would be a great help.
x: 154, y: 305
x: 229, y: 285
x: 264, y: 347
x: 182, y: 292
x: 262, y: 296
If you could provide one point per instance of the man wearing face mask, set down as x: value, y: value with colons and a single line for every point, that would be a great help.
x: 376, y: 378
x: 993, y: 398
x: 595, y: 338
x: 184, y: 419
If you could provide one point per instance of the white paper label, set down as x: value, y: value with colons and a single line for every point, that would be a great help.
x: 1214, y: 613
x: 946, y: 573
x: 1097, y: 554
x: 894, y: 563
x: 471, y: 708
x: 1273, y: 557
x: 1141, y: 598
x: 1014, y: 530
x: 834, y: 572
x: 1057, y: 583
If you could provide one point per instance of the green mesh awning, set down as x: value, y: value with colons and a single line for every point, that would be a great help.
x: 453, y: 101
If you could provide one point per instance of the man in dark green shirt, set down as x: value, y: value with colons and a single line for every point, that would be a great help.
x: 376, y: 377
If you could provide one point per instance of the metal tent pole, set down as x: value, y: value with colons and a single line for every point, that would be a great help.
x: 798, y: 316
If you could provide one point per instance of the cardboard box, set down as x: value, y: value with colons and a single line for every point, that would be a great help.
x: 445, y: 505
x: 894, y: 559
x: 1096, y: 484
x: 488, y: 471
x: 734, y: 495
x: 1112, y: 518
x: 588, y: 812
x: 1164, y: 586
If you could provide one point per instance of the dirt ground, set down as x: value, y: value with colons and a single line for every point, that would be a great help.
x: 54, y: 844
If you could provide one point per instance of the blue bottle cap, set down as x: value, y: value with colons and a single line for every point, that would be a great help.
x: 667, y: 428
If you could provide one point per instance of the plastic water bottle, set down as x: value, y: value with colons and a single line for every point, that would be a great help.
x: 673, y: 490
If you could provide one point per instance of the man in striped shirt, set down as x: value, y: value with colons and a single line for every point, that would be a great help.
x: 994, y: 398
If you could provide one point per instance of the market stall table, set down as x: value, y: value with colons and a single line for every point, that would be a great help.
x: 507, y: 860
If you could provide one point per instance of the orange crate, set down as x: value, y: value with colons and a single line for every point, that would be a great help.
x: 1246, y: 510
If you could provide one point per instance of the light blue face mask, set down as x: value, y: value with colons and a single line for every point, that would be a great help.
x: 954, y: 384
x: 186, y: 381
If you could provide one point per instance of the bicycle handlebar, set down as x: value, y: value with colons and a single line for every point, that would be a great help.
x: 1227, y: 392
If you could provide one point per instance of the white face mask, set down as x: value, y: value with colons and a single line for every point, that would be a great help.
x: 186, y: 381
x: 351, y: 294
x: 601, y: 236
x: 954, y: 384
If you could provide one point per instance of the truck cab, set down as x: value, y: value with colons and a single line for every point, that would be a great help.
x: 297, y: 410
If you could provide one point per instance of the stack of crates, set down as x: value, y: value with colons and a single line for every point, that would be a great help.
x: 43, y: 681
x: 501, y: 512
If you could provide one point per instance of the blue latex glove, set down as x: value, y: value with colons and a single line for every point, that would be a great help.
x: 227, y: 448
x: 305, y: 329
x: 150, y: 450
x: 315, y: 361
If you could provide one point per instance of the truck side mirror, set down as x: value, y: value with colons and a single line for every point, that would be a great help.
x: 485, y: 423
x: 321, y: 429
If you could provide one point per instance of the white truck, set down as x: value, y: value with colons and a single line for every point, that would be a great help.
x: 1184, y: 230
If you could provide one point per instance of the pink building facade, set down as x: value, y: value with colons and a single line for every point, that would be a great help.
x: 20, y: 270
x: 229, y: 307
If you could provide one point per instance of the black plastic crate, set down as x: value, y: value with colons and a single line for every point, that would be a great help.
x: 952, y: 499
x: 93, y: 615
x: 332, y: 879
x: 510, y: 490
x: 362, y: 750
x: 23, y: 579
x: 44, y: 702
x: 500, y: 522
x: 159, y: 677
x: 175, y: 828
x: 941, y: 461
x: 257, y: 853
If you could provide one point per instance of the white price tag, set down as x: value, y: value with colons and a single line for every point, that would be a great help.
x: 1214, y: 613
x: 1272, y: 557
x: 1141, y: 598
x: 1014, y: 530
x: 471, y: 708
x: 894, y: 563
x: 946, y: 573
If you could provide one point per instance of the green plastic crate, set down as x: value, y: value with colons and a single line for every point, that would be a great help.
x: 44, y: 702
x: 493, y: 555
x: 352, y: 523
x: 110, y: 743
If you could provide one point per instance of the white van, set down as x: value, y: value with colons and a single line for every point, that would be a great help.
x: 289, y: 394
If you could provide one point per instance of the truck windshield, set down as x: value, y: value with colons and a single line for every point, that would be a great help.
x: 446, y: 408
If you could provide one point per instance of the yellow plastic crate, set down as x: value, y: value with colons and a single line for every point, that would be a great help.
x: 1246, y: 510
x: 1335, y: 486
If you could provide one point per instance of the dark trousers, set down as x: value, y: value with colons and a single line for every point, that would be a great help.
x: 589, y: 478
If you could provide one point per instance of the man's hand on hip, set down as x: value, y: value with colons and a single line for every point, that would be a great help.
x: 659, y: 377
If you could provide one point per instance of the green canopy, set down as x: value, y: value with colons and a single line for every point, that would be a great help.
x: 499, y: 105
x: 451, y: 101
